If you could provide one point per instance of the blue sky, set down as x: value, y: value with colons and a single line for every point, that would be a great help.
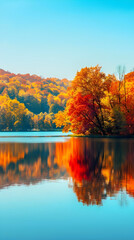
x: 56, y: 38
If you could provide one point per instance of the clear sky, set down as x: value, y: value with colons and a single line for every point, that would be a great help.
x: 56, y: 38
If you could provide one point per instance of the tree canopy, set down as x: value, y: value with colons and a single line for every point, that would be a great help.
x: 99, y: 104
x: 30, y: 102
x: 93, y: 103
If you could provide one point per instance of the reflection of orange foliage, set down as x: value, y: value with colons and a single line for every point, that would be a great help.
x: 31, y: 171
x: 80, y: 168
x: 78, y: 157
x: 91, y: 166
x: 107, y: 174
x: 11, y: 152
x: 98, y: 168
x: 25, y: 163
x: 71, y: 156
x: 128, y: 184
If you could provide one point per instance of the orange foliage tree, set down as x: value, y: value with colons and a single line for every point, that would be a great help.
x: 99, y: 104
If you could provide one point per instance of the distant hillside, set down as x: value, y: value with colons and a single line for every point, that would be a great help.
x: 29, y: 101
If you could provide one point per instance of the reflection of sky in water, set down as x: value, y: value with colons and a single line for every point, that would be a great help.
x: 33, y: 134
x: 33, y: 139
x: 50, y: 210
x: 66, y: 188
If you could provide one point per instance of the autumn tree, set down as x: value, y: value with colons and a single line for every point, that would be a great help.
x: 85, y: 106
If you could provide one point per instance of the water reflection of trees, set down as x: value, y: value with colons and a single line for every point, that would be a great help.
x: 28, y: 163
x: 99, y: 168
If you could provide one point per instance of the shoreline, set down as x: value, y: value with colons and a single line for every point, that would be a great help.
x: 42, y: 134
x: 105, y: 136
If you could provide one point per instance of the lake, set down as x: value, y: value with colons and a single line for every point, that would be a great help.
x: 60, y: 187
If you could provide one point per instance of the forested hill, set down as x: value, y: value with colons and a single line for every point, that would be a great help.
x: 29, y: 102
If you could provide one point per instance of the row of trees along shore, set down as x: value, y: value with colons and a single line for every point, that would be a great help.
x: 93, y: 103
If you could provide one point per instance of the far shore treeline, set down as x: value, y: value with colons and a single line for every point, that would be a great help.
x: 93, y: 103
x: 29, y: 102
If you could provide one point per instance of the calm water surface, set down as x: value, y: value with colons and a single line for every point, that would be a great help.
x: 66, y: 188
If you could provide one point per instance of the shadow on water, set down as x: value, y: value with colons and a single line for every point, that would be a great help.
x: 96, y: 168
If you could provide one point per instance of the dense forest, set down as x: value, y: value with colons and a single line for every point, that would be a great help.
x: 93, y: 103
x: 29, y: 102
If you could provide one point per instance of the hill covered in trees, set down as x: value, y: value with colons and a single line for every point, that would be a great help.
x: 29, y: 102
